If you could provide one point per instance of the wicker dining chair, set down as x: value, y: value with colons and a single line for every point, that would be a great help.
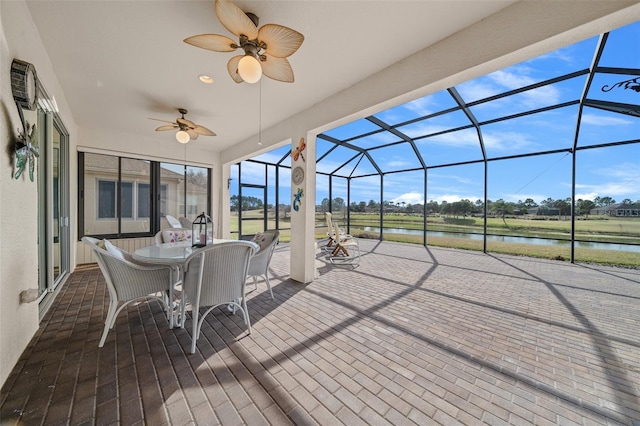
x: 259, y: 265
x: 128, y: 281
x: 215, y: 276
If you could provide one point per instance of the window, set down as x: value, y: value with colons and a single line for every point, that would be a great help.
x: 123, y: 197
x: 185, y: 190
x: 106, y: 199
x: 163, y: 200
x: 144, y: 200
x: 126, y: 199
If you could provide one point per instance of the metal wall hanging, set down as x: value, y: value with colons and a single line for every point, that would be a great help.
x: 24, y: 85
x: 297, y: 152
x: 297, y: 199
x: 26, y: 150
x: 633, y: 84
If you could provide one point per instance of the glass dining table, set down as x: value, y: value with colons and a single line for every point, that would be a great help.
x: 173, y: 255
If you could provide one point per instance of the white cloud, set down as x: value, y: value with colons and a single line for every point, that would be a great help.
x: 625, y: 171
x: 463, y: 138
x: 510, y: 79
x: 598, y: 120
x: 506, y: 140
x: 617, y: 190
x: 540, y: 96
x: 475, y: 90
x: 455, y: 178
x: 506, y: 80
x: 452, y: 198
x: 409, y: 198
x: 397, y: 164
x: 586, y: 196
x: 619, y: 181
x: 420, y: 106
x: 566, y: 54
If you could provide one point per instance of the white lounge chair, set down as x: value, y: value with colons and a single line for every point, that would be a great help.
x: 346, y: 249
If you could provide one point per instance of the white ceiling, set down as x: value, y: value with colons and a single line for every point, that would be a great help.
x: 121, y: 62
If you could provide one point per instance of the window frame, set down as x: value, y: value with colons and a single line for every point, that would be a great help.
x: 155, y: 189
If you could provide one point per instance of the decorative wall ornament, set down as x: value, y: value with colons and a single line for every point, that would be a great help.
x: 26, y: 150
x: 24, y: 85
x: 633, y: 84
x: 297, y: 199
x: 297, y: 175
x: 297, y: 152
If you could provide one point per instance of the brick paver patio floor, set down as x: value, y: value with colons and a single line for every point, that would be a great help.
x: 413, y: 335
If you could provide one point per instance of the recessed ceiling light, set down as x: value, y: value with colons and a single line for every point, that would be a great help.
x: 205, y: 79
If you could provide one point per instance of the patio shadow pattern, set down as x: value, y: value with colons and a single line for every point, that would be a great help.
x: 412, y: 335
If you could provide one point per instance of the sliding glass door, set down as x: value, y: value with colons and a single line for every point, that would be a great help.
x: 53, y: 201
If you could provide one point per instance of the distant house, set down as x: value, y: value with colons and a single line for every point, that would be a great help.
x: 543, y: 211
x: 617, y: 210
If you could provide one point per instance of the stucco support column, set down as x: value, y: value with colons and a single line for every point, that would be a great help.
x: 303, y: 209
x: 221, y: 203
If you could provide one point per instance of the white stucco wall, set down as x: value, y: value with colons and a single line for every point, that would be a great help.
x: 18, y: 198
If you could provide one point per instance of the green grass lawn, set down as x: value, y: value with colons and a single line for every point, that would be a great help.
x: 594, y: 229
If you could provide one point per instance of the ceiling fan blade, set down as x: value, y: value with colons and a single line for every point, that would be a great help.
x: 281, y: 41
x: 186, y: 122
x: 215, y: 42
x: 278, y: 69
x: 192, y: 134
x: 164, y: 121
x: 204, y: 131
x: 235, y: 20
x: 167, y: 127
x: 232, y: 67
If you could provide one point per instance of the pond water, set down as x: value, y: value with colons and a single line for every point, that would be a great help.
x: 523, y: 240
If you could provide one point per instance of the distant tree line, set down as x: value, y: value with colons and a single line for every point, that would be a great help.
x: 467, y: 207
x: 248, y: 203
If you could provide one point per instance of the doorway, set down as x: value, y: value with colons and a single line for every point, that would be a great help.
x: 53, y: 201
x: 252, y: 210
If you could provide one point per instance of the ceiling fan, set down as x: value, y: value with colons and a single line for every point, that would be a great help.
x: 187, y: 129
x: 265, y: 49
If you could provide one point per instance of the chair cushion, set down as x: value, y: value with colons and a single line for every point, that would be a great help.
x: 117, y: 252
x: 176, y: 235
x: 261, y: 240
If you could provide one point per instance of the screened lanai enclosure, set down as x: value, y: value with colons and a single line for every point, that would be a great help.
x: 541, y: 158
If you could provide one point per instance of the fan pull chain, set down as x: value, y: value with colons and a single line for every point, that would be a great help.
x: 260, y: 115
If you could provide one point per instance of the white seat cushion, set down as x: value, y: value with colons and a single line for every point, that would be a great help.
x: 118, y: 252
x: 176, y: 235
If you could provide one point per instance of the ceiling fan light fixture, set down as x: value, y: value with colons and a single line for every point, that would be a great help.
x: 182, y: 136
x: 268, y: 46
x: 249, y: 69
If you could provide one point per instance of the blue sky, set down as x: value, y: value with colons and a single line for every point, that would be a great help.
x: 612, y: 171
